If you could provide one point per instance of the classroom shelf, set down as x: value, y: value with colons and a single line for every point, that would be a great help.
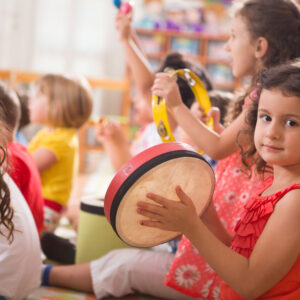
x: 204, y: 48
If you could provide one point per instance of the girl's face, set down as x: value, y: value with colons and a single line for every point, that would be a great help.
x: 241, y: 49
x: 277, y: 132
x: 38, y: 107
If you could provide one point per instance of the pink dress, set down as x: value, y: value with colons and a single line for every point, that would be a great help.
x: 253, y: 220
x: 189, y: 273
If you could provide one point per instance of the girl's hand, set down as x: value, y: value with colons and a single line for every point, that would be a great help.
x: 178, y: 216
x: 166, y: 87
x: 123, y: 25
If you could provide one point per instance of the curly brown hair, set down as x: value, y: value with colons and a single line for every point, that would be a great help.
x: 278, y: 21
x: 6, y: 211
x: 284, y: 78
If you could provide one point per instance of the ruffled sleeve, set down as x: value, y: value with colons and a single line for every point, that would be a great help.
x: 253, y: 220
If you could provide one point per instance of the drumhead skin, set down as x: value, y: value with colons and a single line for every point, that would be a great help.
x: 159, y: 170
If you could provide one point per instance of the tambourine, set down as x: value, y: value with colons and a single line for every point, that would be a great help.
x: 159, y: 107
x: 158, y: 169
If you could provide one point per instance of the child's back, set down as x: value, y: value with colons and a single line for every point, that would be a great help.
x: 21, y: 260
x: 26, y: 176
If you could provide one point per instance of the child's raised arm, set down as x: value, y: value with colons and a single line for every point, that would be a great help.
x: 136, y: 60
x: 217, y: 146
x: 274, y: 253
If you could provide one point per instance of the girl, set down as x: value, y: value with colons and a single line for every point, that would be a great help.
x: 63, y: 105
x: 264, y: 33
x: 264, y: 260
x: 20, y: 257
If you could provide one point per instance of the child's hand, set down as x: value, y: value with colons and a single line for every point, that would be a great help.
x: 215, y: 113
x: 166, y: 87
x: 169, y: 214
x: 198, y: 112
x: 109, y: 131
x: 123, y: 25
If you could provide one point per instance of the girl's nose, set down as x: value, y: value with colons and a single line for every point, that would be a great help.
x: 273, y: 131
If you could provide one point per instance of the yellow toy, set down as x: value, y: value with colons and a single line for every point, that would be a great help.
x: 159, y: 107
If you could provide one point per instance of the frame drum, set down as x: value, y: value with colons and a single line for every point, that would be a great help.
x: 158, y: 169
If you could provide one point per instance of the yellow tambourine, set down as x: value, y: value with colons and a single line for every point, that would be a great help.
x: 159, y: 107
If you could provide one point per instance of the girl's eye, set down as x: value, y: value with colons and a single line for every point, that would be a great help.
x: 291, y: 123
x: 266, y: 118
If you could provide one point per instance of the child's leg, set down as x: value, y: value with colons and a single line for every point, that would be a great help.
x: 126, y: 271
x: 52, y: 214
x: 76, y: 277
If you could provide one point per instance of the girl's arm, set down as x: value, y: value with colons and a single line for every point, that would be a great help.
x: 138, y: 64
x: 43, y: 158
x: 217, y: 146
x: 273, y: 256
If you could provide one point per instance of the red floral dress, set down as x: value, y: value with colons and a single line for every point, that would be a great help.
x: 190, y: 274
x: 248, y: 230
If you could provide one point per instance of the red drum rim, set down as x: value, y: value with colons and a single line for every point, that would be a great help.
x: 136, y: 167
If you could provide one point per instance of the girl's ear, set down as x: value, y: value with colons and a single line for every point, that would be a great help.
x: 261, y: 47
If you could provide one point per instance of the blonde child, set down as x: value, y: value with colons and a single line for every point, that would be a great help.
x: 263, y: 261
x: 264, y: 33
x: 63, y: 105
x: 20, y: 257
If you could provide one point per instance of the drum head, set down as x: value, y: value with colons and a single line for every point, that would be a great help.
x: 159, y: 170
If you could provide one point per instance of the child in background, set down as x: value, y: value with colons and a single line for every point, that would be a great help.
x: 63, y: 105
x: 22, y: 167
x: 20, y: 257
x: 264, y: 33
x: 263, y: 260
x: 111, y: 135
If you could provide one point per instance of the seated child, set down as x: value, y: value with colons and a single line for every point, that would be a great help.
x: 22, y: 167
x: 63, y: 104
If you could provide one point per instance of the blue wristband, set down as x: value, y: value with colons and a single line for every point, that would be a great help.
x: 45, y: 277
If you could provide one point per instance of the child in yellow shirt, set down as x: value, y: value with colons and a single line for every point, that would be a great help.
x: 63, y: 105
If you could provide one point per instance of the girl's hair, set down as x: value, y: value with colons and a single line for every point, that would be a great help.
x: 176, y: 61
x: 10, y: 106
x: 69, y: 100
x: 6, y: 211
x: 278, y: 21
x: 283, y: 78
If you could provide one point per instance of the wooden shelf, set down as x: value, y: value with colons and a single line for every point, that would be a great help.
x: 200, y: 49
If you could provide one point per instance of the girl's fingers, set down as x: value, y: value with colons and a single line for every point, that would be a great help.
x: 158, y: 199
x: 144, y: 206
x: 184, y: 198
x: 151, y: 223
x: 148, y: 214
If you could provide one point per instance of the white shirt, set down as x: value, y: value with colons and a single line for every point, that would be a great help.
x: 20, y: 261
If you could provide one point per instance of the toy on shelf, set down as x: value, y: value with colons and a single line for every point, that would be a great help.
x: 125, y: 7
